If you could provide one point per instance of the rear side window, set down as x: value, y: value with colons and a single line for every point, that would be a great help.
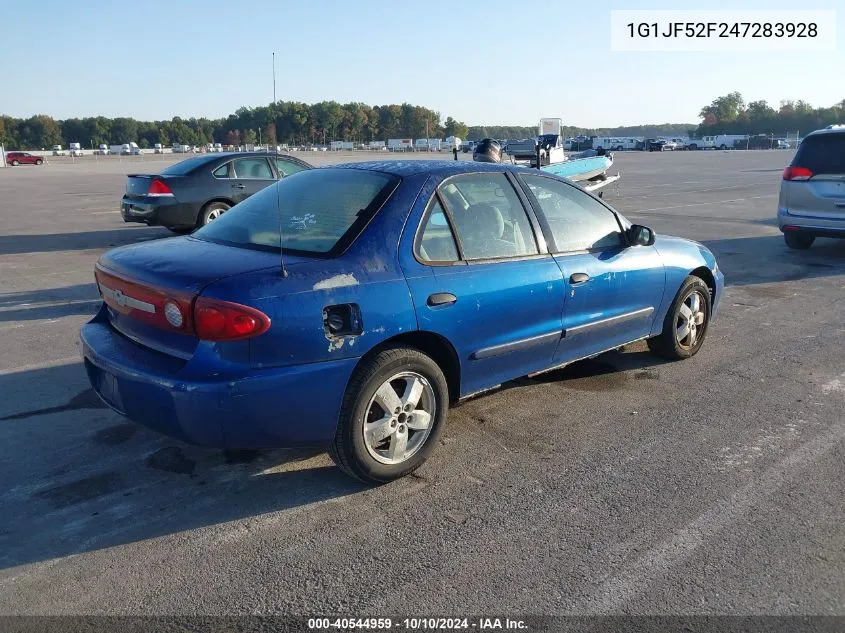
x: 319, y: 211
x: 489, y: 218
x: 224, y: 171
x: 822, y: 154
x: 436, y: 241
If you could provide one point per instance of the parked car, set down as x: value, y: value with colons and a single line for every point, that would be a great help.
x: 23, y: 158
x: 812, y: 192
x: 670, y: 146
x: 361, y: 330
x: 58, y: 151
x: 158, y: 148
x: 102, y: 150
x: 656, y: 144
x: 195, y: 191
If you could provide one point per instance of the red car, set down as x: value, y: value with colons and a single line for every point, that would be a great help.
x: 22, y: 158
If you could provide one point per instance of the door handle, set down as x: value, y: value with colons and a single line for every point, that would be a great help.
x: 442, y: 299
x: 239, y: 186
x: 578, y: 278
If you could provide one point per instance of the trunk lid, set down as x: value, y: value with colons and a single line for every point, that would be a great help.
x: 138, y: 185
x: 137, y: 281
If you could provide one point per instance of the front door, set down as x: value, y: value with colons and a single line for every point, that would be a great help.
x: 490, y: 291
x: 613, y: 290
x: 251, y: 175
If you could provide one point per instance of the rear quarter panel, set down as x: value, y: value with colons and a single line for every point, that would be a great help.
x: 367, y: 275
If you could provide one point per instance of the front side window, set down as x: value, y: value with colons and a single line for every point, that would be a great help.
x: 489, y: 218
x: 436, y: 241
x: 578, y: 222
x: 318, y: 211
x: 252, y: 169
x: 287, y: 167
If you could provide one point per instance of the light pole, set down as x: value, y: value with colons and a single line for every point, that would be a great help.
x: 274, y: 76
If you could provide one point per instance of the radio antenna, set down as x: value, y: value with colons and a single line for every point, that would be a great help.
x: 281, y: 246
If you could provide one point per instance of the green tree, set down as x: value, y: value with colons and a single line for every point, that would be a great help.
x: 250, y: 137
x: 726, y: 108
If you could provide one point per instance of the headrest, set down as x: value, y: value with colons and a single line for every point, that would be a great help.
x: 487, y: 220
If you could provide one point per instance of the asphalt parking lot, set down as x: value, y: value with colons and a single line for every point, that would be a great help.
x: 624, y: 484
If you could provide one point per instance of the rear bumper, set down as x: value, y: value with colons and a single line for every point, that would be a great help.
x: 163, y: 211
x: 254, y: 408
x: 819, y: 226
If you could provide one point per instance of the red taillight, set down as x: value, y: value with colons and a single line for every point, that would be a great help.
x: 216, y: 320
x: 159, y: 188
x: 797, y: 173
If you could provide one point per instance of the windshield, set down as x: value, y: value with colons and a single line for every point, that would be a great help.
x: 319, y: 211
x: 184, y: 167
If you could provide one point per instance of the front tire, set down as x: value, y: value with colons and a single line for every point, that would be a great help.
x: 686, y: 323
x: 39, y: 162
x: 212, y: 211
x: 798, y: 241
x: 392, y: 416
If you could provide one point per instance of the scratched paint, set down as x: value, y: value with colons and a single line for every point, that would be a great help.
x: 337, y: 281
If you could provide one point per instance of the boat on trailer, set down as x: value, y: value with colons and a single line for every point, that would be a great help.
x: 546, y: 152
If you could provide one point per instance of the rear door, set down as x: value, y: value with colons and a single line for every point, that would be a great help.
x: 250, y: 175
x: 484, y: 281
x: 823, y: 194
x: 613, y: 290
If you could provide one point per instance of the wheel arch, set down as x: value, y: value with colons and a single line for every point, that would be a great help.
x: 205, y: 205
x: 433, y: 345
x: 706, y: 275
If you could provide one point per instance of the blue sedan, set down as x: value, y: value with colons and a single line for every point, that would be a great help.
x: 399, y: 289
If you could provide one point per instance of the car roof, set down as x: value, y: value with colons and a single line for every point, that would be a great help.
x: 442, y: 168
x: 836, y: 130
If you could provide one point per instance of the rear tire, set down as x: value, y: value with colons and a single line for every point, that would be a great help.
x: 686, y: 323
x: 212, y: 211
x: 798, y: 241
x: 407, y: 390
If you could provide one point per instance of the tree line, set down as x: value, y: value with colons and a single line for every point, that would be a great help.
x: 288, y: 122
x: 298, y: 123
x: 729, y: 114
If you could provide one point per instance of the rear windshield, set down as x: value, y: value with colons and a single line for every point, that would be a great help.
x: 319, y: 211
x: 186, y: 166
x: 822, y: 154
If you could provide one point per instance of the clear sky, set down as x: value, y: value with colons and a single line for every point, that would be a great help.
x: 480, y: 61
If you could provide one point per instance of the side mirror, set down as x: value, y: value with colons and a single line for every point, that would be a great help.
x: 639, y: 235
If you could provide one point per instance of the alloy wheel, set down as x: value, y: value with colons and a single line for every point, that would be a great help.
x: 399, y: 417
x: 689, y: 326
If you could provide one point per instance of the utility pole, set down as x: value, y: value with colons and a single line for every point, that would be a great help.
x: 274, y: 76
